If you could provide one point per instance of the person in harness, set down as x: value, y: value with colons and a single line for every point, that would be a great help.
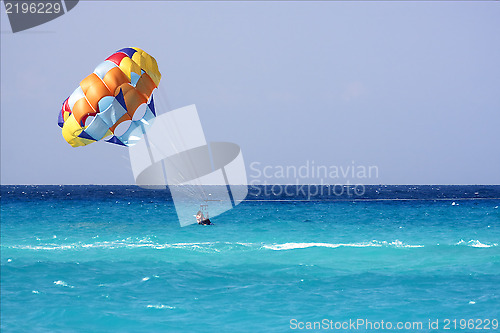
x: 201, y: 219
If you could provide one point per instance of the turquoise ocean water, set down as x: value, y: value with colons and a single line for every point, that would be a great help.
x: 114, y: 259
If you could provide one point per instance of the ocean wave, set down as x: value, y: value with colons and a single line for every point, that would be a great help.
x: 120, y: 244
x: 374, y: 243
x: 218, y: 246
x: 160, y: 306
x: 207, y: 246
x: 476, y: 243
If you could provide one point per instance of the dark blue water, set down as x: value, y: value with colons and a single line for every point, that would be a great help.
x: 113, y: 258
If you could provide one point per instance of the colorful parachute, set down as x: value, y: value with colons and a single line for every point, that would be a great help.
x: 110, y: 96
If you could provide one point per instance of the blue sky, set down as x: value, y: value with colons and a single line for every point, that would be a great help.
x: 412, y: 88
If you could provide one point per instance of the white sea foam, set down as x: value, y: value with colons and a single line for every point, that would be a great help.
x: 374, y: 243
x: 398, y: 243
x: 243, y: 244
x: 47, y: 247
x: 115, y: 244
x: 292, y: 246
x: 216, y: 247
x: 63, y: 284
x: 160, y: 306
x: 205, y: 246
x: 476, y: 243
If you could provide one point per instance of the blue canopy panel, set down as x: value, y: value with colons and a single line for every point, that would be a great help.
x: 134, y: 77
x: 128, y: 51
x: 151, y: 105
x: 115, y: 140
x: 85, y: 135
x: 60, y: 120
x: 103, y: 68
x: 137, y: 128
x: 97, y: 128
x: 112, y: 109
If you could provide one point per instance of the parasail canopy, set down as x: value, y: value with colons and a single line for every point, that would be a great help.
x: 110, y: 96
